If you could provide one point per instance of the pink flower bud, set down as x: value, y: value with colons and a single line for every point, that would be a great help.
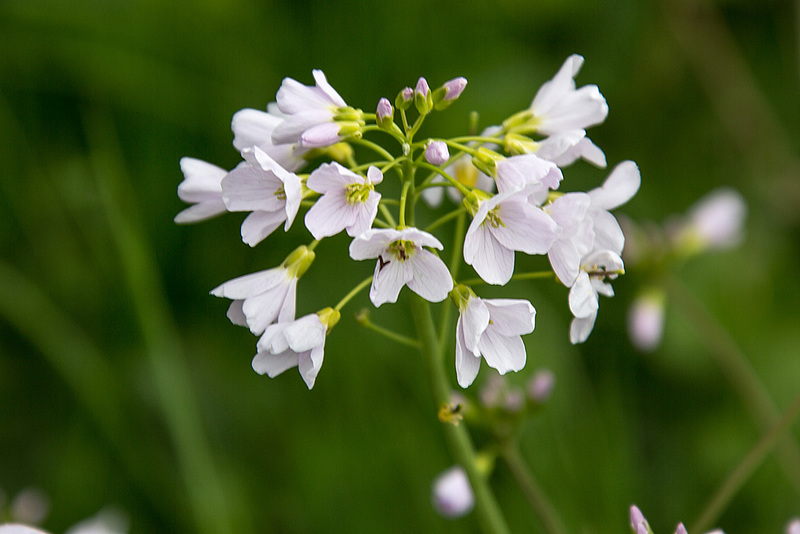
x: 384, y: 114
x: 452, y: 494
x: 422, y: 88
x: 436, y: 153
x: 638, y: 522
x: 454, y: 88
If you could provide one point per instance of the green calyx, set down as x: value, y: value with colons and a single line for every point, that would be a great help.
x: 329, y: 317
x: 473, y: 199
x: 516, y: 144
x: 486, y: 160
x: 298, y: 262
x: 460, y: 295
x: 524, y: 121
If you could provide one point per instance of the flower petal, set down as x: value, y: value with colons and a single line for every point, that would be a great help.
x: 265, y: 363
x: 251, y: 284
x: 504, y: 353
x: 619, y: 187
x: 582, y: 297
x: 372, y: 243
x: 389, y: 278
x: 580, y: 328
x: 330, y: 214
x: 511, y: 317
x: 430, y: 278
x: 467, y: 364
x: 259, y: 225
x: 492, y: 261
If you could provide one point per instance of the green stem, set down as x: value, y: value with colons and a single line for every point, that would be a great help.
x: 353, y: 292
x: 489, y: 514
x: 527, y: 482
x: 364, y: 320
x: 445, y: 218
x: 376, y: 147
x: 737, y: 369
x: 747, y: 467
x: 455, y: 183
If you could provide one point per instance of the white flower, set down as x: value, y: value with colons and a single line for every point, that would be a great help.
x: 793, y: 527
x: 583, y: 295
x: 349, y: 201
x: 452, y: 494
x: 559, y: 107
x: 260, y: 299
x: 201, y: 187
x: 299, y: 343
x: 500, y: 225
x: 621, y: 185
x: 491, y: 328
x: 253, y: 128
x: 311, y: 113
x: 403, y: 261
x: 527, y: 171
x: 262, y: 186
x: 574, y: 237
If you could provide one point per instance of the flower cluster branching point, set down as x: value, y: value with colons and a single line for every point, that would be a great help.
x: 505, y: 182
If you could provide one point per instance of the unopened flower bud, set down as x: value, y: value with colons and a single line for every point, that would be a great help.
x: 680, y: 529
x: 436, y: 153
x: 404, y: 98
x: 385, y: 114
x: 486, y: 160
x: 639, y: 524
x: 452, y: 493
x: 541, y: 386
x: 449, y: 92
x: 423, y: 100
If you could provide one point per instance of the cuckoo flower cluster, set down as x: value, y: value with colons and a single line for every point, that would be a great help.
x: 312, y: 155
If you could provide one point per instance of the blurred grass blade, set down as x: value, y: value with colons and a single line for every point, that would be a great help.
x: 177, y: 401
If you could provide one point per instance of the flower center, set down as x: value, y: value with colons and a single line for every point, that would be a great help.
x: 493, y: 218
x: 280, y: 193
x: 357, y: 193
x: 402, y: 250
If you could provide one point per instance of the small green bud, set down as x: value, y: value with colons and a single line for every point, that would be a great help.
x: 404, y: 99
x: 486, y: 160
x: 473, y: 199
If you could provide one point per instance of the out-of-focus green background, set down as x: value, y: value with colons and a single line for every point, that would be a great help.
x: 122, y: 382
